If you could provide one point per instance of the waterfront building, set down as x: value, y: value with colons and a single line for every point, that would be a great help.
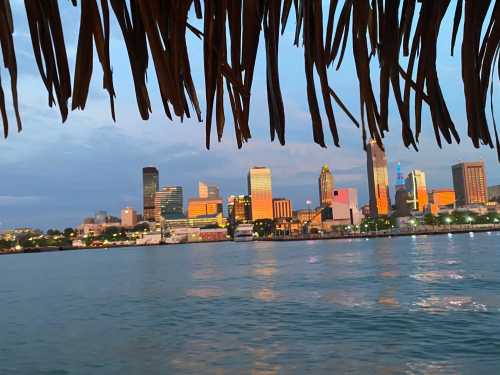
x: 169, y: 203
x: 416, y: 187
x: 469, y: 182
x: 206, y: 191
x: 260, y: 190
x: 128, y: 217
x: 239, y: 208
x: 345, y: 207
x: 198, y: 222
x: 204, y: 207
x: 378, y: 180
x: 150, y: 186
x: 325, y: 184
x: 442, y: 197
x: 282, y: 208
x: 494, y: 193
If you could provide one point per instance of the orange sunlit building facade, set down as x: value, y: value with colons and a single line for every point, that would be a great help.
x: 442, y: 197
x: 261, y: 193
x: 198, y: 207
x: 378, y: 180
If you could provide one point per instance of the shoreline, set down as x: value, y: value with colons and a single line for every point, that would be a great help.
x: 368, y: 235
x: 304, y: 237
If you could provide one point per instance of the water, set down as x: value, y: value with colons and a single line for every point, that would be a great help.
x: 424, y: 305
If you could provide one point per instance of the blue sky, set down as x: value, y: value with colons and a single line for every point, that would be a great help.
x: 53, y: 175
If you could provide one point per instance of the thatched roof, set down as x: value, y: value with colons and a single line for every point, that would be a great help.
x: 390, y: 30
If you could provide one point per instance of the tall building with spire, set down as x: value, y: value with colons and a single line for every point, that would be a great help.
x: 400, y: 180
x: 261, y: 193
x: 325, y: 184
x: 150, y: 185
x: 417, y: 190
x: 378, y: 180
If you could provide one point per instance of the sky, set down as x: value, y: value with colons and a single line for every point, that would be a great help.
x: 54, y: 174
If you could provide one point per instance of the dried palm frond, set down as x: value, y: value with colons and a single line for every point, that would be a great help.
x: 401, y: 34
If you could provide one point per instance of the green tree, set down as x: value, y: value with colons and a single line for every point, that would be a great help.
x: 264, y: 227
x: 68, y: 232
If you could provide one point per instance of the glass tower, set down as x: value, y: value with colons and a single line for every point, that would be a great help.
x: 150, y: 185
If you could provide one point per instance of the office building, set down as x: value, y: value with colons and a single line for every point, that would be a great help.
x: 260, y: 190
x: 206, y: 191
x: 128, y: 217
x: 378, y: 180
x: 239, y: 208
x: 442, y: 197
x: 199, y: 207
x: 282, y: 208
x: 416, y: 187
x: 150, y: 185
x: 325, y: 184
x: 469, y: 182
x: 169, y: 203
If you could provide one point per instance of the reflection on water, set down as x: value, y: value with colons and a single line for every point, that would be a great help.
x: 210, y: 292
x: 383, y: 306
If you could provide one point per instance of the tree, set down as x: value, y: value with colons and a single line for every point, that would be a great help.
x: 68, y: 232
x: 53, y: 232
x: 264, y: 227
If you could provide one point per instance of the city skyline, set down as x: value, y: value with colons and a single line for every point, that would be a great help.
x: 98, y: 161
x: 192, y: 191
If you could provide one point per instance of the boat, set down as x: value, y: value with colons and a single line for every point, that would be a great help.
x: 243, y: 233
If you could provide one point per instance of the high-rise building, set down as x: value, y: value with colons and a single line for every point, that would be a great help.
x: 282, y: 208
x: 378, y: 180
x: 239, y: 208
x: 260, y: 190
x: 417, y: 190
x: 150, y: 185
x: 442, y: 197
x: 206, y: 191
x: 169, y: 203
x: 469, y: 182
x: 325, y: 184
x: 199, y: 207
x: 128, y: 217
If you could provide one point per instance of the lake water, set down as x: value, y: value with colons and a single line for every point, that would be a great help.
x: 423, y: 305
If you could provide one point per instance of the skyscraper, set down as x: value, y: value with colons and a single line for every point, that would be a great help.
x: 198, y: 207
x: 260, y: 191
x: 150, y: 185
x: 378, y: 180
x: 469, y: 182
x: 325, y: 183
x: 206, y: 191
x: 417, y: 190
x: 169, y: 203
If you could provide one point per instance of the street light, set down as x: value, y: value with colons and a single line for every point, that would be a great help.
x: 448, y: 221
